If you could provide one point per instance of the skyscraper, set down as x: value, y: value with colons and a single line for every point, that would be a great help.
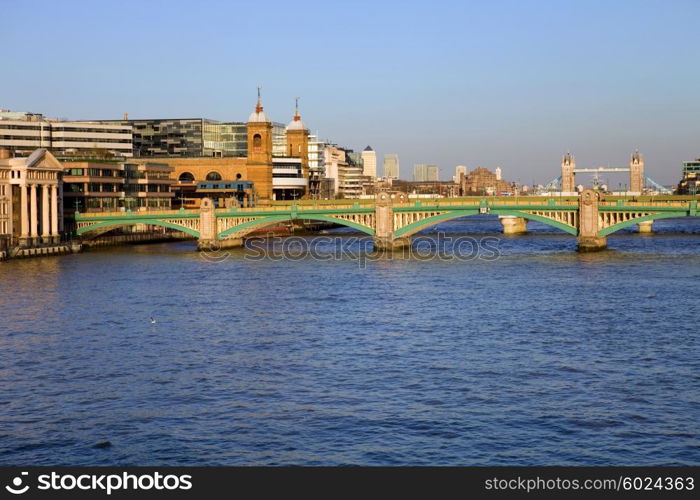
x: 459, y: 169
x: 433, y: 173
x: 391, y: 166
x: 369, y: 161
x: 423, y: 172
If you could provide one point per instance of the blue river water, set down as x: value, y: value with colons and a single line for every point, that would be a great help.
x: 532, y: 354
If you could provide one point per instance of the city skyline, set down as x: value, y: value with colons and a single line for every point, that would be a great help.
x: 484, y: 85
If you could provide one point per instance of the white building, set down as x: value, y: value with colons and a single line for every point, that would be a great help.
x: 22, y: 133
x: 32, y: 186
x: 459, y: 170
x: 347, y: 177
x: 369, y: 162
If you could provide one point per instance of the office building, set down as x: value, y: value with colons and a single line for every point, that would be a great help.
x: 424, y: 172
x: 391, y: 166
x: 22, y: 133
x: 345, y: 168
x: 690, y: 183
x: 460, y: 170
x: 369, y: 162
x: 112, y: 186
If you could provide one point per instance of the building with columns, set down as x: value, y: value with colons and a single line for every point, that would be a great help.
x: 30, y: 199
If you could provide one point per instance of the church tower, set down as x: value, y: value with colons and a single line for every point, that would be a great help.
x: 568, y: 164
x: 637, y: 173
x: 259, y: 160
x: 298, y: 141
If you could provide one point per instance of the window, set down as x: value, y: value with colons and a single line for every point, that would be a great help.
x: 186, y: 177
x: 213, y: 176
x: 257, y: 142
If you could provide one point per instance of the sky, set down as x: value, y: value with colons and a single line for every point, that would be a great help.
x: 510, y: 84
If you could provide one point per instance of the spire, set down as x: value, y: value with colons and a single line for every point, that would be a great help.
x: 259, y: 106
x: 296, y: 123
x: 258, y: 115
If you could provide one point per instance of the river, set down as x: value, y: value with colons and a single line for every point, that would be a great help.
x: 530, y: 355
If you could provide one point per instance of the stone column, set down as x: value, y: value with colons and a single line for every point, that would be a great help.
x: 384, y: 238
x: 512, y: 224
x: 33, y: 224
x: 646, y: 226
x: 588, y: 238
x: 54, y: 214
x: 24, y: 209
x: 45, y: 211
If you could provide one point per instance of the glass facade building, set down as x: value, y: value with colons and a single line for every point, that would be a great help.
x: 193, y: 137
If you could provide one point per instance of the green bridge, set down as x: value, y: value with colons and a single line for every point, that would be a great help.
x: 391, y: 219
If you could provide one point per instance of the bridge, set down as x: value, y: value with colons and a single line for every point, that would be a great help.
x: 391, y: 219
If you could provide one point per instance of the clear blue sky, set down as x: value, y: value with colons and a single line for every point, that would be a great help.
x: 500, y: 83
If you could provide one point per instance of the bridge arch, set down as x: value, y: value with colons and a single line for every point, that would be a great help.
x: 538, y: 218
x: 245, y: 228
x: 633, y: 222
x: 417, y: 226
x: 109, y: 225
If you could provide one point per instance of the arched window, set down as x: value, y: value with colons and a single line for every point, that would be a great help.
x: 186, y: 177
x: 257, y: 142
x: 213, y: 176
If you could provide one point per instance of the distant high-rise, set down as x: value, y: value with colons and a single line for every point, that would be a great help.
x: 391, y: 166
x: 459, y: 169
x: 369, y: 162
x: 423, y: 172
x: 499, y: 174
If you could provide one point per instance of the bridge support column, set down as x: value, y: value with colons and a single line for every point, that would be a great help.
x: 646, y: 227
x: 230, y: 243
x: 588, y: 238
x: 207, y: 226
x: 392, y: 244
x: 512, y: 224
x: 384, y: 239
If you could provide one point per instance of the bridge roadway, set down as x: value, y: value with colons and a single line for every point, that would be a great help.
x: 391, y: 219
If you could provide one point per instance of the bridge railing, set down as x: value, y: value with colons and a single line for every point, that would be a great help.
x: 127, y: 213
x: 661, y: 204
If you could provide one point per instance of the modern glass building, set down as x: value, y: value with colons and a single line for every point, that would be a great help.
x: 195, y: 137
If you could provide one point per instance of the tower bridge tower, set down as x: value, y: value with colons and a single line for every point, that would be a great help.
x: 636, y: 173
x: 568, y: 165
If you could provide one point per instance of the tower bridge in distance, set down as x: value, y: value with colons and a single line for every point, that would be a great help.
x: 566, y: 182
x: 391, y: 219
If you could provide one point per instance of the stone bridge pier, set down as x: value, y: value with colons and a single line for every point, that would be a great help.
x: 208, y: 239
x: 513, y: 225
x: 384, y: 239
x: 589, y: 222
